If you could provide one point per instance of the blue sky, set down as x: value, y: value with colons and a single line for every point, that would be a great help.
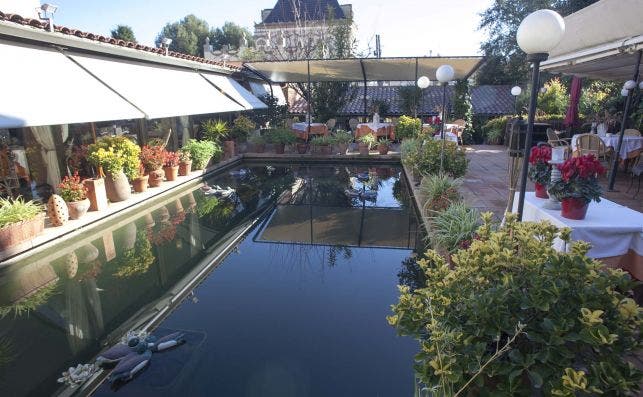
x: 407, y: 27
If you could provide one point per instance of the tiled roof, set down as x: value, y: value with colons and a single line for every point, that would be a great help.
x: 485, y: 99
x: 41, y: 25
x: 308, y: 10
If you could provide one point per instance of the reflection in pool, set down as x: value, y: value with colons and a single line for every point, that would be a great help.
x: 298, y: 309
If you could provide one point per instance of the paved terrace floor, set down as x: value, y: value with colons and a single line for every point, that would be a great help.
x: 485, y: 185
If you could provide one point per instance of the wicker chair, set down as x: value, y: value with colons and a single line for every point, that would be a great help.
x: 592, y: 144
x: 331, y: 124
x: 554, y: 140
x: 289, y: 123
x: 353, y: 124
x: 632, y: 132
x: 637, y: 171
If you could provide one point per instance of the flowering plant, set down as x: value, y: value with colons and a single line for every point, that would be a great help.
x: 170, y: 159
x: 184, y: 156
x: 579, y: 179
x: 539, y: 168
x: 72, y: 189
x: 115, y: 154
x: 152, y: 157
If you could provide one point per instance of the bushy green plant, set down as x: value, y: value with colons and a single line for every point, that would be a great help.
x: 215, y: 130
x: 17, y: 210
x: 321, y: 140
x: 137, y: 260
x: 455, y: 227
x: 439, y: 191
x: 201, y: 152
x: 428, y: 158
x: 241, y: 127
x: 515, y: 317
x: 282, y: 136
x: 341, y: 137
x: 407, y: 127
x: 555, y: 98
x: 257, y: 139
x: 368, y: 139
x: 115, y: 154
x: 410, y: 150
x: 494, y: 129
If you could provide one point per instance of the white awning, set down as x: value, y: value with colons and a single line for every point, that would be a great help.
x: 600, y: 41
x: 41, y: 86
x: 158, y: 91
x: 261, y: 89
x: 235, y: 91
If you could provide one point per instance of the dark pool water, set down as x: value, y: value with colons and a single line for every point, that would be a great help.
x: 297, y: 309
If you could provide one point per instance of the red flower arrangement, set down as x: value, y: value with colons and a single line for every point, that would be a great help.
x: 539, y: 167
x: 171, y: 159
x: 72, y: 188
x: 152, y: 157
x: 579, y: 179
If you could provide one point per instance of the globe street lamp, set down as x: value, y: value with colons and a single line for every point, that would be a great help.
x: 444, y: 74
x: 538, y: 34
x: 516, y: 91
x: 422, y: 83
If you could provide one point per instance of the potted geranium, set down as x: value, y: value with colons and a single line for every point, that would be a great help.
x: 365, y: 142
x: 383, y: 145
x: 74, y: 192
x: 578, y: 185
x: 185, y: 162
x: 258, y: 143
x: 540, y: 169
x: 19, y: 221
x: 171, y: 165
x: 118, y: 157
x: 201, y: 152
x: 152, y: 158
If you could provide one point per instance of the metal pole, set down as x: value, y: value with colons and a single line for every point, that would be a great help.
x: 628, y: 103
x: 309, y: 115
x: 361, y: 64
x: 444, y: 102
x: 535, y: 59
x: 415, y: 107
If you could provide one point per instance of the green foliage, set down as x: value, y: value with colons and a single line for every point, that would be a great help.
x: 454, y: 227
x: 407, y: 127
x: 272, y: 116
x: 462, y: 109
x: 201, y: 152
x: 115, y: 154
x: 555, y: 99
x: 321, y: 140
x: 368, y: 139
x: 215, y: 130
x: 241, y: 127
x: 30, y: 302
x: 342, y: 137
x: 569, y: 321
x: 596, y: 95
x: 424, y: 157
x: 410, y: 98
x: 257, y: 139
x: 123, y: 32
x: 17, y: 210
x: 188, y: 35
x: 281, y: 136
x: 438, y: 192
x: 232, y: 35
x: 328, y: 97
x: 494, y: 129
x: 137, y: 260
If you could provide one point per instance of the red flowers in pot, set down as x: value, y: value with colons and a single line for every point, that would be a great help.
x: 540, y: 169
x: 578, y: 185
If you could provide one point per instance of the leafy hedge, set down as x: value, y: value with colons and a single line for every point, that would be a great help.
x: 424, y: 157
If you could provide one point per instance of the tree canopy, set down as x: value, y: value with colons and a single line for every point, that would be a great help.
x: 123, y: 32
x: 188, y: 35
x: 232, y: 35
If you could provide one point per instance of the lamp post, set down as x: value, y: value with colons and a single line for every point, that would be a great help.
x: 444, y: 74
x: 422, y: 83
x: 516, y: 91
x: 538, y: 34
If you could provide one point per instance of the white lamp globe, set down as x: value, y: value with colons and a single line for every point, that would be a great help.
x: 423, y: 82
x: 625, y: 92
x: 515, y: 91
x: 629, y: 85
x: 641, y: 85
x: 445, y: 73
x: 540, y: 31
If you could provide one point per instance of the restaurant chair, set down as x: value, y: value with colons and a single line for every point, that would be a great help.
x: 592, y: 144
x: 637, y: 171
x: 554, y: 141
x: 632, y: 132
x: 460, y: 130
x: 353, y: 124
x: 289, y: 123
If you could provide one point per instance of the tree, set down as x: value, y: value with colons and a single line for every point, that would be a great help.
x: 554, y: 99
x: 505, y: 61
x: 188, y: 35
x: 232, y: 35
x: 462, y: 108
x: 123, y: 32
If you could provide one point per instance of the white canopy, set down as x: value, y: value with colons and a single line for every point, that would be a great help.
x: 158, y: 91
x: 235, y: 91
x: 261, y: 89
x: 41, y: 86
x: 361, y: 69
x: 600, y: 41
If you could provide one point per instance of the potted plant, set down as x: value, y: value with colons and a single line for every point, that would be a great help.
x: 241, y: 127
x: 19, y: 221
x: 342, y: 139
x: 322, y: 142
x: 279, y: 137
x: 152, y: 158
x: 540, y: 169
x: 118, y: 157
x: 258, y: 143
x: 301, y: 145
x: 217, y: 131
x: 365, y: 142
x: 578, y: 185
x: 407, y: 127
x: 383, y: 145
x: 201, y: 152
x: 185, y: 162
x: 140, y: 183
x: 74, y: 192
x: 171, y: 165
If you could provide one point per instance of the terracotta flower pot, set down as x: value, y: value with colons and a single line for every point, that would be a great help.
x: 16, y: 233
x: 573, y: 208
x: 77, y: 209
x: 342, y: 148
x: 117, y: 187
x: 185, y: 167
x: 259, y: 147
x: 541, y: 191
x: 171, y: 173
x: 140, y: 183
x: 228, y: 149
x: 382, y: 148
x: 325, y: 149
x: 156, y: 178
x: 280, y: 148
x: 96, y: 193
x: 363, y: 149
x: 302, y: 148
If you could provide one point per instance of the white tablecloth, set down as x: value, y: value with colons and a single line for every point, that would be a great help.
x: 303, y: 127
x: 630, y: 143
x: 611, y: 228
x: 374, y: 126
x: 20, y: 157
x: 447, y: 126
x: 448, y: 136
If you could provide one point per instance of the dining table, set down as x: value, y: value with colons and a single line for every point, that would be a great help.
x: 631, y: 147
x: 304, y: 130
x: 379, y: 129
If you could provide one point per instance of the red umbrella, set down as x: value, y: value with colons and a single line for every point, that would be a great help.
x: 571, y: 118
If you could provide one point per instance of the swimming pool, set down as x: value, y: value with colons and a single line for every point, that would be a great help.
x: 298, y: 306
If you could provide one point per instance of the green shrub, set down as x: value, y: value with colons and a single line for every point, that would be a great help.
x: 281, y: 136
x: 257, y: 139
x: 215, y: 130
x: 555, y: 98
x: 454, y: 227
x: 515, y: 317
x: 17, y: 210
x: 241, y: 127
x: 439, y: 191
x: 494, y: 129
x: 115, y: 154
x: 201, y: 152
x: 407, y: 127
x: 410, y: 152
x: 368, y: 139
x: 321, y: 140
x: 342, y: 136
x: 455, y: 161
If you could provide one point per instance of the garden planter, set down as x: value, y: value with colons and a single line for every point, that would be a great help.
x: 342, y: 148
x: 363, y: 149
x: 184, y: 168
x: 325, y: 149
x: 16, y: 233
x: 156, y: 178
x: 96, y: 193
x: 140, y: 183
x: 57, y: 210
x: 198, y: 166
x: 280, y: 148
x: 259, y: 147
x: 573, y: 208
x: 117, y: 187
x: 383, y: 149
x: 228, y: 149
x: 77, y: 209
x: 171, y: 173
x: 302, y: 148
x: 541, y: 191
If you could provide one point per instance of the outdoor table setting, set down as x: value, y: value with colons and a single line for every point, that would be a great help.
x: 632, y: 145
x: 302, y: 130
x: 379, y: 129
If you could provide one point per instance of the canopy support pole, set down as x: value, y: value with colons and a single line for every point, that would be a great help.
x: 308, y: 101
x: 628, y: 102
x: 361, y: 63
x: 415, y: 111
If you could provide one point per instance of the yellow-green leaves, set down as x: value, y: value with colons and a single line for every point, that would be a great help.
x: 591, y: 317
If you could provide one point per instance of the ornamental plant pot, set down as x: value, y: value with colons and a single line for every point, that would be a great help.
x: 156, y: 178
x: 16, y: 233
x: 117, y: 187
x: 57, y: 210
x: 280, y: 148
x: 228, y: 149
x: 77, y: 209
x: 185, y: 167
x: 573, y: 208
x: 96, y: 193
x: 302, y: 148
x: 171, y: 173
x: 325, y: 149
x: 342, y: 148
x: 541, y: 191
x: 382, y: 148
x: 140, y: 183
x: 259, y: 147
x: 363, y: 148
